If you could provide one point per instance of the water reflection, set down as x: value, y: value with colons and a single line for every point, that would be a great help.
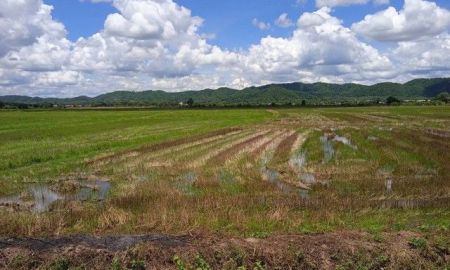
x: 328, y: 150
x: 38, y: 198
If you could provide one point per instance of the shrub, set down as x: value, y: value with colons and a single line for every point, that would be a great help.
x: 417, y: 243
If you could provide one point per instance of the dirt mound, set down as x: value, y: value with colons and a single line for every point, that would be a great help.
x: 342, y: 250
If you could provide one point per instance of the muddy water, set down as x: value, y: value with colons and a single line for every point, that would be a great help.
x: 38, y: 198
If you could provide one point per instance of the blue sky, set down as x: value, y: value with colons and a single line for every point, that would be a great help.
x: 67, y: 48
x: 230, y: 21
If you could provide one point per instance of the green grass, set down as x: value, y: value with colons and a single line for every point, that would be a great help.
x: 39, y: 146
x: 230, y: 197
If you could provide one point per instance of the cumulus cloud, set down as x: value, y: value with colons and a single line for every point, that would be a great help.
x: 320, y: 47
x: 381, y: 2
x: 427, y: 57
x: 417, y: 19
x: 145, y: 20
x: 158, y: 44
x: 260, y: 24
x: 335, y: 3
x: 32, y: 45
x: 23, y: 22
x: 284, y: 21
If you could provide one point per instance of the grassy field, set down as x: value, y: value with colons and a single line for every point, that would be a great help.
x: 42, y: 145
x: 237, y: 173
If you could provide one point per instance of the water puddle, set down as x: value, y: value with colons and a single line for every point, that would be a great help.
x: 327, y: 145
x: 308, y: 178
x: 304, y: 194
x: 345, y: 141
x: 328, y: 150
x: 412, y: 203
x: 388, y: 184
x: 298, y: 163
x: 274, y: 176
x: 93, y: 190
x: 386, y: 174
x: 226, y: 177
x: 38, y: 198
x: 385, y: 128
x: 186, y: 183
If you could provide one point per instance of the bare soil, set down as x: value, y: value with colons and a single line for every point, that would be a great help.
x: 337, y: 250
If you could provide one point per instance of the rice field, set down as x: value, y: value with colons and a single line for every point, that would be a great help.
x: 250, y: 173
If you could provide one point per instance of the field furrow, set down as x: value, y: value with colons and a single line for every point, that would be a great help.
x: 202, y: 160
x: 234, y: 150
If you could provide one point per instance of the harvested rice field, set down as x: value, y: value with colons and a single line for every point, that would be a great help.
x: 312, y: 188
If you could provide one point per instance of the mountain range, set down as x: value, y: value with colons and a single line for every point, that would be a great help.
x: 285, y: 93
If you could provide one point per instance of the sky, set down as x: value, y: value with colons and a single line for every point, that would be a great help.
x: 66, y: 48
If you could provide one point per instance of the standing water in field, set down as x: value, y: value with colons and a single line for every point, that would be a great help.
x: 328, y: 150
x: 274, y: 177
x: 43, y: 198
x: 38, y: 198
x: 186, y: 182
x: 388, y: 184
x: 298, y: 162
x: 345, y: 141
x: 327, y: 145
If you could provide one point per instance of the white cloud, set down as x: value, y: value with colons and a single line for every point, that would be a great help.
x: 426, y: 57
x: 320, y: 48
x: 23, y: 22
x: 144, y: 20
x: 335, y: 3
x: 417, y: 19
x: 157, y: 44
x: 97, y: 1
x: 284, y: 21
x: 260, y: 25
x: 381, y: 2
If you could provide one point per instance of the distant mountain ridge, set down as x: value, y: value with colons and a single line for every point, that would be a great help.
x: 284, y: 93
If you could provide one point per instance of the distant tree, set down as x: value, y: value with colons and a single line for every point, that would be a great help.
x: 2, y: 105
x: 444, y: 97
x: 190, y: 102
x: 303, y: 102
x: 392, y: 100
x: 22, y: 106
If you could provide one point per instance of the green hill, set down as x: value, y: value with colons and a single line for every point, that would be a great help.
x: 294, y: 93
